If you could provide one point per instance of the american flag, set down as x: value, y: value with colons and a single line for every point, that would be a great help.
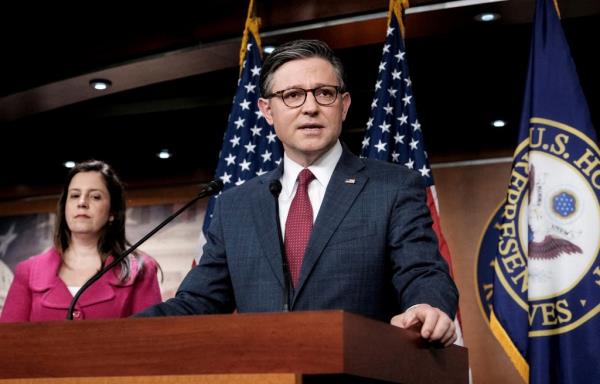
x: 393, y: 131
x: 250, y: 147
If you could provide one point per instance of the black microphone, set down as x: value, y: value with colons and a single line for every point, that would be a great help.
x: 275, y: 188
x: 208, y: 189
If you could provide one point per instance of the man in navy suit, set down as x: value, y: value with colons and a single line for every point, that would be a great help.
x: 371, y: 249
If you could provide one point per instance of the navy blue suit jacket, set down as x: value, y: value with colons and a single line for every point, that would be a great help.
x: 372, y: 250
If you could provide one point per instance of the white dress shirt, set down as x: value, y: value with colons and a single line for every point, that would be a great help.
x: 322, y: 169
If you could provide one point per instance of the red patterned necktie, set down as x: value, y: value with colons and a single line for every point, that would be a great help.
x: 298, y: 225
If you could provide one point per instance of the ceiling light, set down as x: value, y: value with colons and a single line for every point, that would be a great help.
x: 487, y: 17
x: 498, y: 123
x: 164, y: 154
x: 69, y: 164
x: 100, y: 84
x: 268, y: 49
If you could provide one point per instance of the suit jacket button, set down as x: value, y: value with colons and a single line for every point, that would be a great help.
x: 77, y: 315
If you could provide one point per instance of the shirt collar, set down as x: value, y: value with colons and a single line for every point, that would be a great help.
x: 322, y: 169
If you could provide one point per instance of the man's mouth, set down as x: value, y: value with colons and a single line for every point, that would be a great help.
x: 310, y: 126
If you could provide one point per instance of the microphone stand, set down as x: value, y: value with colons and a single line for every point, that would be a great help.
x: 209, y: 189
x: 275, y: 189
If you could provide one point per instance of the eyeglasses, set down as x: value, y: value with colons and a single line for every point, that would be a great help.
x: 295, y: 97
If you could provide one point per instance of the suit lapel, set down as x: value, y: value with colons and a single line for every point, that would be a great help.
x: 100, y: 291
x: 45, y: 278
x: 345, y: 185
x: 263, y: 212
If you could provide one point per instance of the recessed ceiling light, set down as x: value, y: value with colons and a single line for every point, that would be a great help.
x: 268, y: 49
x: 487, y: 17
x: 164, y: 154
x: 498, y: 123
x: 100, y: 84
x: 69, y: 164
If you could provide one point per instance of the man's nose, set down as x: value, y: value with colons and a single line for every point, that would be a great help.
x: 310, y: 104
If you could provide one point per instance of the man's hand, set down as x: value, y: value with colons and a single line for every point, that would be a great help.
x: 435, y: 324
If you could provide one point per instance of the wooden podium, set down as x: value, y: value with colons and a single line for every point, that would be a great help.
x: 298, y: 347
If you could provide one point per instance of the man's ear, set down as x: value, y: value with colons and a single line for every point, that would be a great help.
x: 265, y: 107
x: 346, y: 100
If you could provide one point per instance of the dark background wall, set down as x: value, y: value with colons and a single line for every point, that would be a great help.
x: 174, y: 72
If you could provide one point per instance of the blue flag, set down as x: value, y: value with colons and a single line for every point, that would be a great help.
x: 250, y: 147
x: 544, y: 241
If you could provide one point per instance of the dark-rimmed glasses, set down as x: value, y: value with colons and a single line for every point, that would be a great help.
x: 295, y: 97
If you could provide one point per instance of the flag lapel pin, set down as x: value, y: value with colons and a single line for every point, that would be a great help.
x: 350, y: 181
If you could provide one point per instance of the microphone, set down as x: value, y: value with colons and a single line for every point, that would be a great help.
x: 208, y: 189
x: 275, y: 188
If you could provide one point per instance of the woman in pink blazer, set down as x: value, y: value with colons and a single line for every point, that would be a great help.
x: 89, y: 231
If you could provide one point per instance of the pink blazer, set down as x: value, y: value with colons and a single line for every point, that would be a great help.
x: 38, y: 294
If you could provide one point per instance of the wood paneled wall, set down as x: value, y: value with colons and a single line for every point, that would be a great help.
x: 468, y: 196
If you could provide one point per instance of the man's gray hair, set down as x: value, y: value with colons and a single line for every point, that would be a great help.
x: 295, y: 50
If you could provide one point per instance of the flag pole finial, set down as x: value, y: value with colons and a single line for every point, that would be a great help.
x: 252, y: 26
x: 397, y: 8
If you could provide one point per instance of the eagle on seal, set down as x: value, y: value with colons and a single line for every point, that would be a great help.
x: 544, y: 245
